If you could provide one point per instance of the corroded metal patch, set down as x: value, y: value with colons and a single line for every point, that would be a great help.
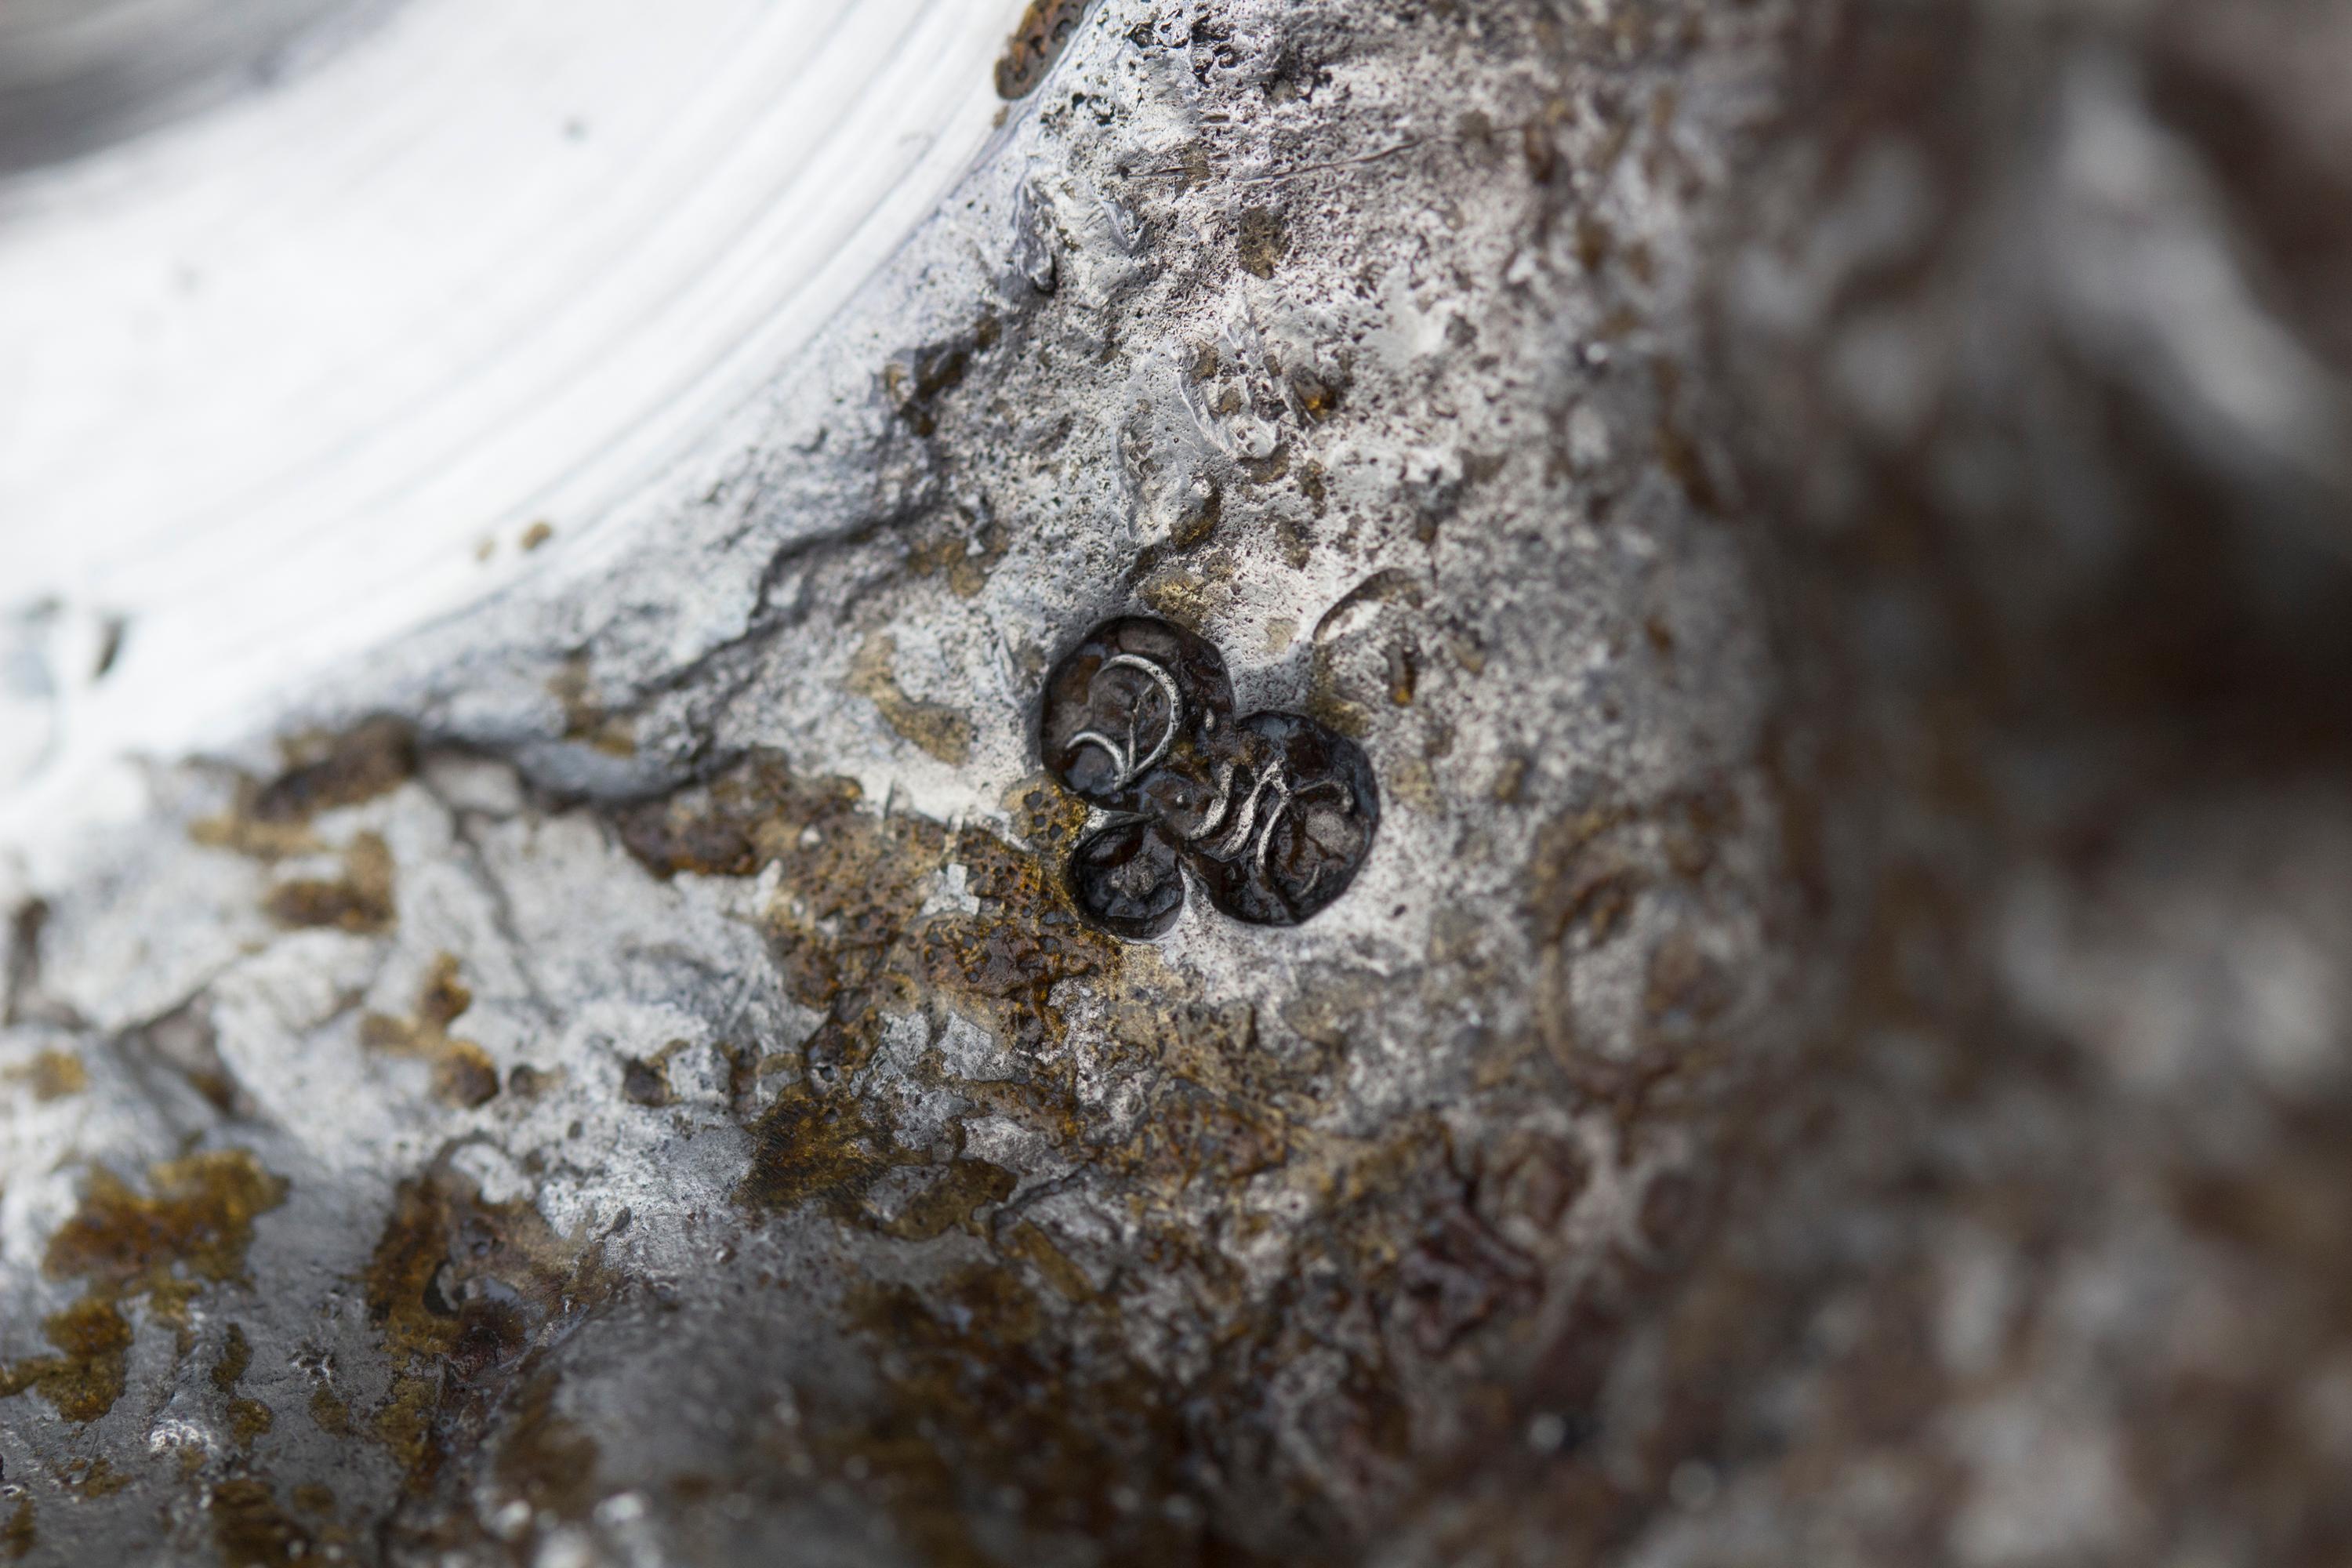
x: 1036, y: 43
x: 1272, y: 813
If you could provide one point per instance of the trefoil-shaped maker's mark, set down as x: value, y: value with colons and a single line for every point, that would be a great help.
x: 1271, y: 813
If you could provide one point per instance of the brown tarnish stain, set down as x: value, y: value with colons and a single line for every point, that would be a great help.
x: 1009, y: 1379
x: 1028, y: 1243
x: 251, y: 1530
x: 86, y: 1376
x: 329, y: 1413
x: 17, y: 1537
x: 1037, y: 41
x: 995, y: 1413
x: 822, y: 1151
x: 966, y: 559
x: 806, y: 1149
x: 1415, y: 785
x: 1009, y: 1388
x: 191, y: 1232
x: 953, y: 1202
x: 20, y: 960
x: 1261, y: 241
x: 328, y: 772
x: 360, y: 901
x: 646, y: 1083
x: 460, y: 1290
x: 537, y: 534
x: 546, y: 1459
x: 323, y: 772
x: 934, y: 726
x: 916, y: 386
x: 645, y: 1080
x: 1319, y: 391
x: 1192, y: 595
x: 93, y: 1477
x: 51, y: 1076
x: 247, y: 1418
x: 585, y: 719
x: 463, y: 1074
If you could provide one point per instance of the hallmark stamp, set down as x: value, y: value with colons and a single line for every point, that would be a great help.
x: 1269, y: 814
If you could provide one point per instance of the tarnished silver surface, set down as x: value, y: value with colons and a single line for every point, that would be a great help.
x: 1252, y: 323
x: 294, y: 375
x: 606, y: 1068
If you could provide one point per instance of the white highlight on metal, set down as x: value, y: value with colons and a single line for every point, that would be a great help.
x: 1248, y: 831
x: 1122, y: 755
x: 1275, y: 782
